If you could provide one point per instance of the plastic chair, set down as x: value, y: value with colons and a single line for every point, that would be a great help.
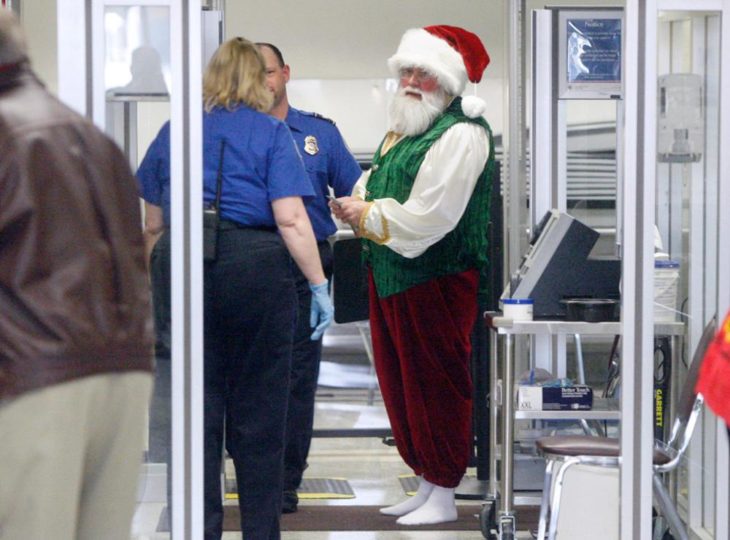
x: 562, y: 452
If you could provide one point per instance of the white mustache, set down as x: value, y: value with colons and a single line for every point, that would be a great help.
x: 410, y: 90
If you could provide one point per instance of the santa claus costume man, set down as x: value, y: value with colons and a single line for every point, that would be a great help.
x: 422, y: 212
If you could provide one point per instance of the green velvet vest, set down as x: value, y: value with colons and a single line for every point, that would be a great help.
x: 463, y: 248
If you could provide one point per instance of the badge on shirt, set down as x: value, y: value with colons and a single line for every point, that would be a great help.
x: 310, y: 145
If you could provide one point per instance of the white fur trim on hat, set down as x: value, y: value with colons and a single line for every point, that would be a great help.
x: 419, y: 48
x: 473, y: 106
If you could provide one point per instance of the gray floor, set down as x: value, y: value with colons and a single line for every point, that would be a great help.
x: 371, y: 467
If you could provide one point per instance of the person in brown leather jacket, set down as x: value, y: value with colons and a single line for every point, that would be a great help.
x: 75, y: 318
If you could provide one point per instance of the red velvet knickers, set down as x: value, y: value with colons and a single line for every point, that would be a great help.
x: 422, y: 347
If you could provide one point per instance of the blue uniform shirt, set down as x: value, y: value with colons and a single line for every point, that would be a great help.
x: 328, y: 163
x: 260, y: 164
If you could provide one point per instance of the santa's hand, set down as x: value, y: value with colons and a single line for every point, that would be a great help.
x: 335, y: 207
x: 352, y: 211
x: 335, y: 204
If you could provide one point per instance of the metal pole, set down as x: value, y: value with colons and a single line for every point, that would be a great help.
x: 495, y: 404
x: 515, y: 178
x: 508, y: 418
x: 637, y: 318
x: 187, y: 271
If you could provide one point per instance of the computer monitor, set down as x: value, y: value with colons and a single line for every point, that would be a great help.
x: 557, y: 266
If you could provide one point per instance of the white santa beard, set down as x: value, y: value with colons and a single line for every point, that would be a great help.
x: 411, y: 116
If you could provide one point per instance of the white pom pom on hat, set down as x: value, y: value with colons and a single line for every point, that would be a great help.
x: 451, y: 53
x: 473, y: 106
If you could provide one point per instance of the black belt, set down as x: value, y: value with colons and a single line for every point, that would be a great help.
x: 227, y: 225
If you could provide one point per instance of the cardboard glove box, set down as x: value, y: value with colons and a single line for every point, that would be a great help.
x: 554, y: 398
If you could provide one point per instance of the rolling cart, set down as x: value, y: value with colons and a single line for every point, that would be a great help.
x: 497, y: 517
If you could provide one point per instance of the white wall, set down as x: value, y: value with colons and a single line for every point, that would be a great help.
x: 39, y: 20
x: 351, y: 39
x: 338, y: 50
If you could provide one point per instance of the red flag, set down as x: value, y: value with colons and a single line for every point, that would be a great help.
x: 714, y: 379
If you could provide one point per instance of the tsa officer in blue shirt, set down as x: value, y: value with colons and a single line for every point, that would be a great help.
x: 330, y: 165
x: 250, y: 299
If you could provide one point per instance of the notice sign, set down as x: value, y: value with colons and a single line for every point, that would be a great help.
x: 590, y: 61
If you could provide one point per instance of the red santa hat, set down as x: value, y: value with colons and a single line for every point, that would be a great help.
x: 452, y: 54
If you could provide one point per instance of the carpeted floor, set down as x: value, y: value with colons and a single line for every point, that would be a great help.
x: 364, y: 518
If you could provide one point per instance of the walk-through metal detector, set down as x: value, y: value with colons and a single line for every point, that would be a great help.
x: 101, y: 45
x: 667, y: 47
x: 576, y: 55
x: 576, y: 59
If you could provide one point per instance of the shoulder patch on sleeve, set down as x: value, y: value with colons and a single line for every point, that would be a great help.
x: 317, y: 115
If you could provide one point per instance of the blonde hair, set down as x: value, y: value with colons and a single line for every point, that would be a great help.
x: 236, y: 74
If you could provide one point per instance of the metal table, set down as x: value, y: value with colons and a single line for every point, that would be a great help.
x: 502, y: 405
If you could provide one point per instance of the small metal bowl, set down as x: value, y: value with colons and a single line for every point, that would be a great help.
x: 591, y: 309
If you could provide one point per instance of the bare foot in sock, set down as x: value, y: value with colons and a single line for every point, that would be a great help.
x: 439, y: 508
x: 410, y: 504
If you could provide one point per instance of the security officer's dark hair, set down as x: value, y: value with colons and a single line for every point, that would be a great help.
x: 277, y: 52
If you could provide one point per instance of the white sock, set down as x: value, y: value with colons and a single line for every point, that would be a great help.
x: 440, y: 507
x: 411, y: 503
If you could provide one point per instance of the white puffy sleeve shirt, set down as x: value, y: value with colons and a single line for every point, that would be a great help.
x: 439, y: 197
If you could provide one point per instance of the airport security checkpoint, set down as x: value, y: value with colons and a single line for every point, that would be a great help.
x: 462, y: 270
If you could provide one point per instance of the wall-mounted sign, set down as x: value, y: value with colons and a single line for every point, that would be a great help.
x: 589, y: 49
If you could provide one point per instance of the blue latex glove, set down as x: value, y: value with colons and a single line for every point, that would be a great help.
x: 322, y: 311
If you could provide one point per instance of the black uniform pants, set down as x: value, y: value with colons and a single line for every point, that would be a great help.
x: 304, y: 374
x: 161, y: 279
x: 249, y: 324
